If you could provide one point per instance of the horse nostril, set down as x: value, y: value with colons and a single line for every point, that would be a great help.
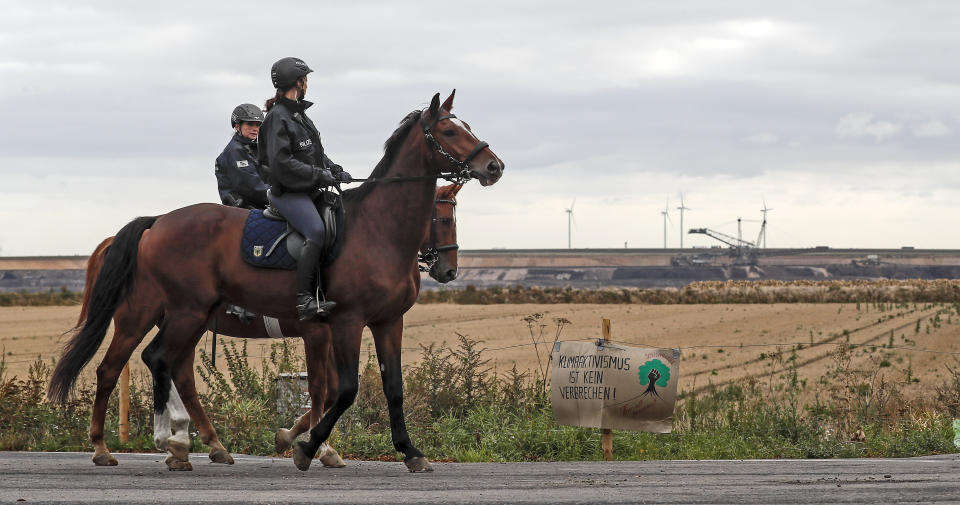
x: 451, y: 274
x: 493, y: 167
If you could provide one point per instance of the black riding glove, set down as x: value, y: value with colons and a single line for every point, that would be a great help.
x: 232, y: 200
x: 322, y: 176
x: 344, y: 176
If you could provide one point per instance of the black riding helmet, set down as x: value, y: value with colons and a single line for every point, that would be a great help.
x: 246, y: 112
x: 286, y: 71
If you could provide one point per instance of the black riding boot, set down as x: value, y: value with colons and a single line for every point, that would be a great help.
x: 308, y: 306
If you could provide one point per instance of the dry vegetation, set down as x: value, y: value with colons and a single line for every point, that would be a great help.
x: 803, y: 375
x: 714, y: 292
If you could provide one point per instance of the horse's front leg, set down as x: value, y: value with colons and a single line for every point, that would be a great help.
x: 346, y: 350
x: 388, y: 337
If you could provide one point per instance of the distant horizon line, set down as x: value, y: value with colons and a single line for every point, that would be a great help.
x: 820, y: 248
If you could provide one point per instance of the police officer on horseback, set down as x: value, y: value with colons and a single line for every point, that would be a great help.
x: 238, y: 180
x: 293, y: 163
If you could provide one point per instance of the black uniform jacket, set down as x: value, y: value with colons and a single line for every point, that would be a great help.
x: 238, y: 179
x: 291, y: 155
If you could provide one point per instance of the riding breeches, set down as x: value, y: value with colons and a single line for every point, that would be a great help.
x: 299, y: 210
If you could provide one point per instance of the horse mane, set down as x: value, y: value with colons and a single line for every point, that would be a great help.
x: 389, y: 152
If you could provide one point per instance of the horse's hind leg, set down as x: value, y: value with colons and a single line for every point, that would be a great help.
x: 319, y: 370
x: 129, y: 329
x: 324, y: 393
x: 176, y: 341
x: 178, y: 440
x: 186, y: 385
x: 167, y: 408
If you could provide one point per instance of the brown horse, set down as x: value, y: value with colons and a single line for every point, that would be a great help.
x: 438, y: 256
x: 372, y: 279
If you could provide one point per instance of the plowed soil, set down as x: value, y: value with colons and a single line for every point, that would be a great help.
x: 718, y: 342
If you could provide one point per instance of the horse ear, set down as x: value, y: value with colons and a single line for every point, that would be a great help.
x: 449, y: 191
x: 435, y: 105
x: 448, y: 103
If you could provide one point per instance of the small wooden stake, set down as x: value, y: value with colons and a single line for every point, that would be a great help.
x: 606, y: 441
x: 606, y: 438
x: 125, y: 404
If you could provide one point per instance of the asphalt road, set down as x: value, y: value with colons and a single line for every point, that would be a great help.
x: 143, y: 478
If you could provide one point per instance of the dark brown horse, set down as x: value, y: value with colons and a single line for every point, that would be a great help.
x: 372, y: 280
x: 438, y: 256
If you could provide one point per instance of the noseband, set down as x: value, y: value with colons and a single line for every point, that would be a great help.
x: 430, y: 257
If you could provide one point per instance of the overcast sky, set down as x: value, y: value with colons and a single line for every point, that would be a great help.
x: 843, y: 116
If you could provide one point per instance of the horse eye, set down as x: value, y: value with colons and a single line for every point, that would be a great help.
x: 449, y: 133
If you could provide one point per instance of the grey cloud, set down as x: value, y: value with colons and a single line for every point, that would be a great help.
x: 863, y: 124
x: 571, y: 95
x: 930, y: 128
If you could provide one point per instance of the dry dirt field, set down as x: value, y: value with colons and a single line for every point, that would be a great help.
x: 718, y: 342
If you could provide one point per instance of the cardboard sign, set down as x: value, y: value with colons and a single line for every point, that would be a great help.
x: 613, y: 386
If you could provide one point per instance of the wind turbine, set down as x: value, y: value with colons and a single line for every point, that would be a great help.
x: 666, y: 216
x: 569, y: 223
x: 764, y: 210
x: 682, y: 208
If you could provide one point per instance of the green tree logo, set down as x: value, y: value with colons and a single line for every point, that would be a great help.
x: 652, y: 374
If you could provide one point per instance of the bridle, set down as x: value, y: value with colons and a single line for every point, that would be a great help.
x: 427, y: 259
x: 458, y: 171
x: 455, y: 176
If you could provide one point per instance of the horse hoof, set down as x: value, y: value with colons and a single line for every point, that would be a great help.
x: 175, y: 464
x: 179, y: 450
x: 331, y: 458
x: 282, y: 441
x: 418, y: 464
x: 104, y: 459
x: 221, y: 456
x: 300, y: 457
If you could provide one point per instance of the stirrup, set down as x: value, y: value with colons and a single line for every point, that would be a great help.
x: 308, y: 307
x: 244, y: 315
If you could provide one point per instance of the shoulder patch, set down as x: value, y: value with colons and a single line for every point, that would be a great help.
x: 243, y: 163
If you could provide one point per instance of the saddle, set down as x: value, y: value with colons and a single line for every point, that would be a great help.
x: 270, y: 242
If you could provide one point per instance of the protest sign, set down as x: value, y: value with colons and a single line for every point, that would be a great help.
x: 606, y: 385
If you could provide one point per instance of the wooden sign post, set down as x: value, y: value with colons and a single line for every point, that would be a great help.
x: 125, y: 404
x: 606, y: 435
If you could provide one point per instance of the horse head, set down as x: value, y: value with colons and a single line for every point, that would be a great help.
x: 440, y: 247
x: 462, y: 154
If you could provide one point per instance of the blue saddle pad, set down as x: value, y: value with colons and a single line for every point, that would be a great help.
x: 264, y: 242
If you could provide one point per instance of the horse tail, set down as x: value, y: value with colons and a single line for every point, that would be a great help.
x: 110, y: 289
x: 94, y: 264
